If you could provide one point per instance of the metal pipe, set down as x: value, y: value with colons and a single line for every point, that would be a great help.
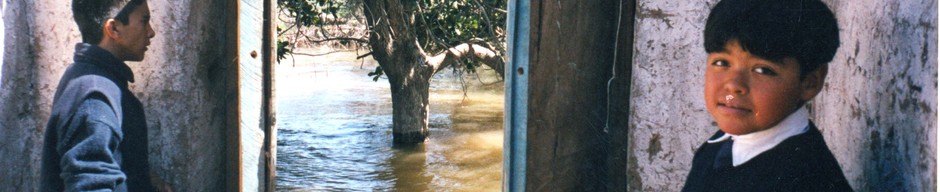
x: 517, y: 79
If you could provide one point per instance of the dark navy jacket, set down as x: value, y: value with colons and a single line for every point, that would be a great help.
x: 802, y: 162
x: 96, y: 137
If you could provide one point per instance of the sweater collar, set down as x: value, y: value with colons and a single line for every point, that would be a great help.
x: 92, y: 54
x: 748, y: 146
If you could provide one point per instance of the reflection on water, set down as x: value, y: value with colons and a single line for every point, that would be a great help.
x: 334, y: 131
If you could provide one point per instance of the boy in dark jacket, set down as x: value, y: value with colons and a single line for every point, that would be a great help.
x: 96, y: 137
x: 767, y: 58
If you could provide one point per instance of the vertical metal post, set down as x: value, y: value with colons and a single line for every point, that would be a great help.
x: 515, y: 120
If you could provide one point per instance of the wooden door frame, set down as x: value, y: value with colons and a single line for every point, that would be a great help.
x: 233, y: 153
x: 233, y: 132
x: 268, y: 102
x: 523, y: 17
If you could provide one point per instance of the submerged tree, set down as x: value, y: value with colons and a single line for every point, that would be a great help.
x: 410, y: 40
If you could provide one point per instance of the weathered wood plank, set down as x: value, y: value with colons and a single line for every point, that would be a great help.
x: 571, y: 63
x: 250, y: 22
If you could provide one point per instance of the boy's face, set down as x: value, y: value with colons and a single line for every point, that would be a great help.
x: 746, y: 93
x: 136, y: 34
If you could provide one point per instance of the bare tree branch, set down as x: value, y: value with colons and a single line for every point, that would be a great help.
x: 467, y: 50
x: 363, y: 55
x: 321, y: 54
x: 359, y: 40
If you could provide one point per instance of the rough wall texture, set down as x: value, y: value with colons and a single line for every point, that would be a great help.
x: 668, y: 119
x: 183, y: 93
x: 180, y: 83
x: 878, y: 110
x: 27, y: 86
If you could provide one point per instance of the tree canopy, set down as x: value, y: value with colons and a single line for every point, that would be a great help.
x: 410, y: 40
x: 440, y: 25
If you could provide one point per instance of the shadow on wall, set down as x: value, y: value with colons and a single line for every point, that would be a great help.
x: 880, y: 101
x: 21, y: 101
x: 3, y: 11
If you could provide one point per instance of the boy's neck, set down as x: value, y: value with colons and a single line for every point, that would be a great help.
x: 750, y: 145
x: 112, y: 48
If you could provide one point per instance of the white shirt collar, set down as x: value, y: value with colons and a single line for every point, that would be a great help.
x: 750, y: 145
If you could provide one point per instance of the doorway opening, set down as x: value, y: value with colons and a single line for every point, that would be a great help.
x: 335, y: 128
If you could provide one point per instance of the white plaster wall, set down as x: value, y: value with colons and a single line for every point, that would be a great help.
x: 35, y: 43
x: 182, y: 85
x: 668, y: 119
x: 878, y: 110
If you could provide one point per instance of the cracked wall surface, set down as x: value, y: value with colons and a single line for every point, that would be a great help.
x: 180, y: 82
x: 877, y: 111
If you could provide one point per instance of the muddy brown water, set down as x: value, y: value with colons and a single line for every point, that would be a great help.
x: 334, y: 130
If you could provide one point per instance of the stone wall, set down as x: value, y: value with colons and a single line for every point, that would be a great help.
x: 878, y: 109
x: 180, y: 82
x: 668, y: 119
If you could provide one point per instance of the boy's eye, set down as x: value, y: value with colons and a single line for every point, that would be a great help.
x: 720, y: 63
x: 765, y: 71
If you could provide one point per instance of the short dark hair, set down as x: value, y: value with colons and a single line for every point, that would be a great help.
x: 805, y: 30
x: 90, y: 15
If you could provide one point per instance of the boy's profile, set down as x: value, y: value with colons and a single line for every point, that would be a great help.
x: 766, y: 59
x: 96, y: 137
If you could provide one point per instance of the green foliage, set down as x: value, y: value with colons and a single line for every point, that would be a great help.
x: 282, y: 49
x: 451, y: 23
x: 377, y: 73
x: 439, y: 24
x: 310, y: 12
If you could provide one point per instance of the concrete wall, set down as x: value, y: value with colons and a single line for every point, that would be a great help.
x: 180, y: 82
x: 878, y: 110
x: 668, y: 119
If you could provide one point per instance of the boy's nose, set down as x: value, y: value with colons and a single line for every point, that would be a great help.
x: 736, y: 84
x: 150, y: 32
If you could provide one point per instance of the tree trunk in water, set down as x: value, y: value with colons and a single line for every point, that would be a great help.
x: 392, y: 39
x: 395, y: 48
x: 410, y: 104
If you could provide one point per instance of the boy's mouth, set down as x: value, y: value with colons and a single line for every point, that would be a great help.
x: 732, y: 108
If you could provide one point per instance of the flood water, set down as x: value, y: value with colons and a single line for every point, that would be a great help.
x: 335, y: 130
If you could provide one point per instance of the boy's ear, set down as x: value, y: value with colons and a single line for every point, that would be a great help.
x: 813, y: 83
x: 111, y: 29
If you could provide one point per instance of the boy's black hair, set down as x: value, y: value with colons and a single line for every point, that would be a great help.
x: 776, y: 29
x: 90, y: 15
